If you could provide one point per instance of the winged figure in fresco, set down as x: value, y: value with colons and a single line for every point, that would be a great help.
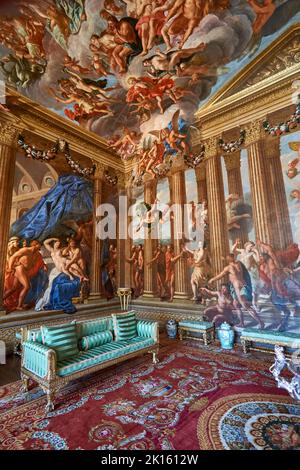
x: 150, y: 215
x: 148, y: 92
x: 293, y: 165
x: 61, y: 18
x: 175, y: 136
x: 73, y: 64
x: 21, y: 72
x: 126, y: 144
x: 85, y: 105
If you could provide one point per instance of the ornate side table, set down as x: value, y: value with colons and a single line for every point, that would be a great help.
x: 124, y: 294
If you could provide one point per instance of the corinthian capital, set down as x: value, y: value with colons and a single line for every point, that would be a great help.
x: 100, y: 169
x: 8, y: 133
x: 211, y: 147
x: 254, y: 132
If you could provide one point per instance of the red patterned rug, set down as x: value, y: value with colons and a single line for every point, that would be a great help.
x: 194, y: 398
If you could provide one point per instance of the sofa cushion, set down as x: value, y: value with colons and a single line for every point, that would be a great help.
x: 97, y: 339
x: 125, y: 326
x: 101, y: 354
x: 61, y: 338
x: 95, y: 326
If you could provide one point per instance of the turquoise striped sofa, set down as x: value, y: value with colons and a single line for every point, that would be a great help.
x: 54, y: 355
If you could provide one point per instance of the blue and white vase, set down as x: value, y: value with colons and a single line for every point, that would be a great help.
x: 171, y: 327
x: 226, y: 336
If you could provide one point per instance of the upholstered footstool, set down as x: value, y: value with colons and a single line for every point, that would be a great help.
x: 204, y: 327
x: 269, y: 337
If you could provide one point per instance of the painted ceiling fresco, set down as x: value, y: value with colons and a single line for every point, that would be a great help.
x: 134, y: 71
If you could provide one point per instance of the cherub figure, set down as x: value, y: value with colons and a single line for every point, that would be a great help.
x: 263, y: 13
x: 175, y: 141
x: 150, y: 215
x: 126, y: 144
x: 292, y: 169
x: 73, y: 64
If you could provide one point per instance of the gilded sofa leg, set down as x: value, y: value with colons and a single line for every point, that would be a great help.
x: 180, y: 334
x: 50, y: 401
x: 25, y: 383
x: 245, y: 346
x: 205, y: 339
x: 154, y: 357
x: 209, y: 336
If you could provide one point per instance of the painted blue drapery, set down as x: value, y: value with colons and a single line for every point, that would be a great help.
x: 71, y: 199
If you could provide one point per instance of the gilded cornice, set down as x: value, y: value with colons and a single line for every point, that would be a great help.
x: 237, y: 104
x: 281, y: 57
x: 227, y: 116
x: 41, y: 122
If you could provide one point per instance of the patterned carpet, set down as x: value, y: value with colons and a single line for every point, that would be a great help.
x: 194, y: 398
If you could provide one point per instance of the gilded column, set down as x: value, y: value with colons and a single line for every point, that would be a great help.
x: 283, y: 236
x: 235, y: 186
x: 149, y: 198
x: 179, y: 200
x: 96, y: 277
x: 262, y: 200
x: 201, y: 183
x: 218, y: 233
x: 8, y: 135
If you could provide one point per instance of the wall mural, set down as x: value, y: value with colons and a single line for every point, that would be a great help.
x: 140, y: 67
x: 143, y: 68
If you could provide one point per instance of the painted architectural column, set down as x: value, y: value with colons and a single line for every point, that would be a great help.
x: 123, y: 239
x: 149, y: 198
x: 218, y: 233
x: 261, y: 186
x: 283, y: 236
x: 201, y: 183
x: 178, y: 195
x: 235, y: 185
x: 233, y: 168
x: 96, y: 276
x: 8, y: 135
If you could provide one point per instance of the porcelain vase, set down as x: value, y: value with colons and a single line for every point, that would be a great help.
x: 226, y: 336
x: 171, y: 328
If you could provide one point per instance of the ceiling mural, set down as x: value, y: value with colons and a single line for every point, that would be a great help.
x: 134, y: 71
